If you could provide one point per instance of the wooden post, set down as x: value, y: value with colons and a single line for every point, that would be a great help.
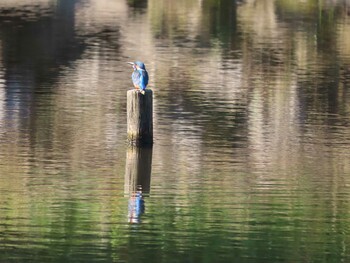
x: 140, y: 117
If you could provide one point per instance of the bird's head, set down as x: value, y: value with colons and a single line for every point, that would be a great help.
x: 137, y: 65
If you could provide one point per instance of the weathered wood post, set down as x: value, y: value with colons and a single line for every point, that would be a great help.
x: 140, y: 117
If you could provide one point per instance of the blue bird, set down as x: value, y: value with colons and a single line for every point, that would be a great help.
x: 139, y: 76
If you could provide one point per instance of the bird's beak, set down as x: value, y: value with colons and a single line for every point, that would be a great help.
x: 131, y: 63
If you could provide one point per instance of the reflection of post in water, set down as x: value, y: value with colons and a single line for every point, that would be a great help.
x: 137, y: 180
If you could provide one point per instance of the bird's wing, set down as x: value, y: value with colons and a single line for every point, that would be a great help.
x: 143, y: 79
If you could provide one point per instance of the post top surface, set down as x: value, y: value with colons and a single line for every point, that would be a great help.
x: 137, y: 91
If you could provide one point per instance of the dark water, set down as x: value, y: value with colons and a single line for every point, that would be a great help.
x: 251, y: 160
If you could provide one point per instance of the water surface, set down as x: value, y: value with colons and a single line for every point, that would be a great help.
x: 251, y: 151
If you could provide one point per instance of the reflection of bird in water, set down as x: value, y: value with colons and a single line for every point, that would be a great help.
x: 136, y: 207
x: 139, y: 76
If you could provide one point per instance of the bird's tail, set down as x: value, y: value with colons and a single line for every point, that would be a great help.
x: 142, y: 92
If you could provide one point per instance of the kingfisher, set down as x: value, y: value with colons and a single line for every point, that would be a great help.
x: 139, y: 76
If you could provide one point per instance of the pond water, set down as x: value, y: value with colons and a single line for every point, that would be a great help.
x: 250, y: 161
